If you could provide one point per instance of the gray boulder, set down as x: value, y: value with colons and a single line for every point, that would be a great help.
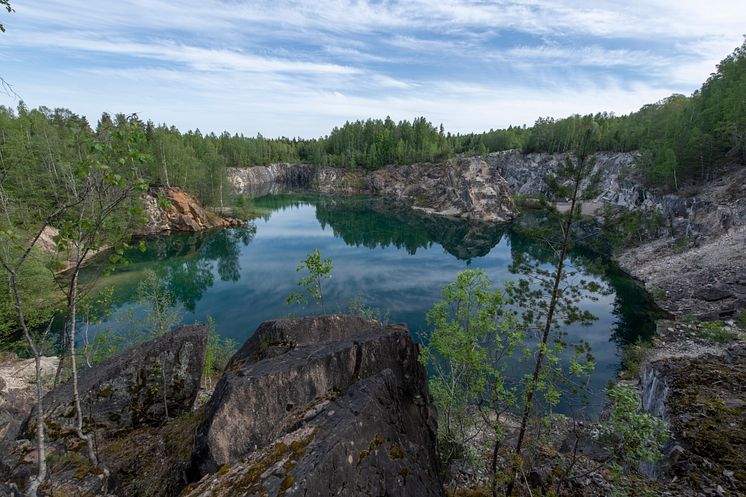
x: 141, y: 386
x: 332, y: 405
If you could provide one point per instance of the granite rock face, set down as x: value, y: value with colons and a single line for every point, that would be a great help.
x: 332, y: 405
x: 18, y: 390
x: 525, y: 174
x: 465, y: 187
x: 142, y: 386
x: 274, y: 178
x: 183, y: 213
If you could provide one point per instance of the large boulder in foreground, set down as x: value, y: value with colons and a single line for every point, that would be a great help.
x: 332, y: 405
x: 141, y: 386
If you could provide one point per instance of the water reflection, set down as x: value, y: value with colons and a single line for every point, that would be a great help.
x: 394, y: 259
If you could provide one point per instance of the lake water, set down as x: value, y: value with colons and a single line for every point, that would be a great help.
x: 390, y: 259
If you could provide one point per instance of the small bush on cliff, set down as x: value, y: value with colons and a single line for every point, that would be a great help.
x: 634, y: 437
x: 715, y: 331
x: 632, y: 356
x: 217, y: 354
x: 358, y: 307
x: 742, y: 320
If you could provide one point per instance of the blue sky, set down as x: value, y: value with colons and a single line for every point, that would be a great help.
x: 300, y: 68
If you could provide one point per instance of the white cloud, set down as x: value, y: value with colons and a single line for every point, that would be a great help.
x: 301, y: 67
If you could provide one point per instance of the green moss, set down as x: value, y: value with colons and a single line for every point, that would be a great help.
x: 714, y: 331
x: 71, y: 460
x: 373, y: 445
x: 469, y: 492
x: 105, y: 392
x: 143, y: 458
x: 376, y: 442
x: 361, y: 457
x: 287, y: 482
x: 715, y: 433
x: 396, y: 452
x: 223, y: 469
x: 741, y: 321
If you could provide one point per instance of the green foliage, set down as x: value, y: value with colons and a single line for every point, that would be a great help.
x: 217, y: 354
x: 635, y: 437
x: 627, y: 228
x: 715, y: 331
x: 358, y: 307
x: 318, y: 269
x: 632, y: 356
x: 94, y: 309
x: 472, y: 338
x: 681, y: 244
x: 162, y: 315
x: 376, y: 143
x: 38, y: 291
x: 6, y: 5
x: 741, y: 321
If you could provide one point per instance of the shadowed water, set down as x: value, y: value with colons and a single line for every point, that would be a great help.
x: 390, y: 259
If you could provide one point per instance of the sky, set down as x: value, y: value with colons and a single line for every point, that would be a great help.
x: 283, y: 68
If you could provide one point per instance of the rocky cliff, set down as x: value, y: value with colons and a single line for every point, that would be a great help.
x: 173, y: 209
x: 465, y: 187
x: 125, y: 401
x: 697, y: 265
x: 526, y: 173
x: 275, y: 178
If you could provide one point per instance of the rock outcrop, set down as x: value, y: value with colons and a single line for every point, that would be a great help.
x: 173, y: 209
x: 466, y: 187
x: 274, y: 178
x: 18, y: 390
x: 698, y: 264
x: 144, y: 385
x: 332, y: 405
x: 699, y: 391
x: 525, y: 174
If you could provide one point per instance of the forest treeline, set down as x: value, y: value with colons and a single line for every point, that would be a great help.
x: 680, y: 139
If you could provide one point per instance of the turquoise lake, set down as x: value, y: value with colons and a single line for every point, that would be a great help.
x: 391, y: 259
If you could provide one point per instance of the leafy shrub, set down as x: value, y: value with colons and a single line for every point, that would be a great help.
x: 633, y: 436
x: 632, y: 356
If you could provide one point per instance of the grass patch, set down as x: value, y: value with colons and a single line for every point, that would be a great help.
x: 681, y: 244
x: 741, y: 321
x: 715, y: 331
x: 632, y: 356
